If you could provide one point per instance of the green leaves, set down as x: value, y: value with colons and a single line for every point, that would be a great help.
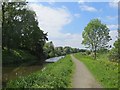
x: 52, y: 51
x: 96, y: 35
x: 20, y: 28
x: 114, y: 53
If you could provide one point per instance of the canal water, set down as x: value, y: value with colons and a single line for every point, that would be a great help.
x: 11, y: 73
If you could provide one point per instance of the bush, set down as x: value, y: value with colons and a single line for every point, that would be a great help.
x: 114, y: 55
x: 88, y: 52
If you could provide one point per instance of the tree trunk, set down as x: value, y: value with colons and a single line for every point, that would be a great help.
x: 95, y: 53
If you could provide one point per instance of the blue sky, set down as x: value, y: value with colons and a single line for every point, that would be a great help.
x: 104, y: 10
x: 65, y: 21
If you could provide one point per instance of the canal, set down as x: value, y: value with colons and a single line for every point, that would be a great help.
x: 11, y: 72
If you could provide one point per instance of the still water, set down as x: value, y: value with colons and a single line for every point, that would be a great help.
x: 10, y: 72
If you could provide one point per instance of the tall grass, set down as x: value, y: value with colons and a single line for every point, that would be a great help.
x: 56, y: 75
x: 105, y: 72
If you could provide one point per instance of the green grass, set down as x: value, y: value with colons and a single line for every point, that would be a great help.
x: 55, y: 75
x: 105, y: 72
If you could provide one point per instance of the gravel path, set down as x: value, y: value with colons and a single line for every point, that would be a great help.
x: 82, y: 77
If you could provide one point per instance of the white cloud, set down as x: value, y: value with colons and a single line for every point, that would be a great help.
x: 114, y: 35
x: 113, y: 26
x: 69, y: 39
x: 51, y: 2
x: 52, y: 20
x: 112, y: 17
x: 87, y: 8
x: 114, y: 3
x: 81, y: 1
x: 33, y: 0
x: 77, y: 15
x: 75, y: 40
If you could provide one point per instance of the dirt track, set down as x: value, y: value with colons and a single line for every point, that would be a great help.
x: 82, y: 77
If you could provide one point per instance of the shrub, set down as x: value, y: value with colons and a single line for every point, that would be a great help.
x: 114, y: 55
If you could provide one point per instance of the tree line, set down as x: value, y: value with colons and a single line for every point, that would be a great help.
x: 20, y: 30
x: 51, y: 51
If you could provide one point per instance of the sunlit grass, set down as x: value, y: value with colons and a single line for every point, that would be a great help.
x: 105, y: 72
x: 56, y: 75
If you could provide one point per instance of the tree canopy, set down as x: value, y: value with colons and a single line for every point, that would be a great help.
x: 20, y: 28
x: 96, y: 35
x: 51, y: 51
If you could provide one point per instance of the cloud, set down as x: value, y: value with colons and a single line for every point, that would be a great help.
x: 87, y: 8
x: 32, y: 0
x: 77, y: 15
x: 81, y: 1
x: 114, y: 3
x: 52, y: 20
x: 51, y: 2
x: 114, y: 35
x: 113, y: 26
x: 112, y: 17
x: 73, y: 40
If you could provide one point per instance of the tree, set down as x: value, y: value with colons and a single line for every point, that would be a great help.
x: 67, y: 49
x: 59, y: 51
x: 20, y: 28
x: 10, y: 22
x: 49, y: 49
x: 95, y: 35
x: 114, y: 54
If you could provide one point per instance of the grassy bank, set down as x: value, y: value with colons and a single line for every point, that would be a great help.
x: 105, y: 72
x: 54, y: 75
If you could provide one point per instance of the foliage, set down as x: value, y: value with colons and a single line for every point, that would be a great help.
x: 105, y: 72
x: 51, y: 51
x: 114, y: 54
x: 20, y: 28
x: 88, y: 52
x: 17, y: 57
x: 56, y: 75
x: 96, y: 35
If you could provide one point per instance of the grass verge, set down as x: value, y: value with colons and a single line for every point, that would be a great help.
x: 105, y: 72
x: 55, y: 75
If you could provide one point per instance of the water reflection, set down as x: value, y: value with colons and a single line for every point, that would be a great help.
x: 10, y: 73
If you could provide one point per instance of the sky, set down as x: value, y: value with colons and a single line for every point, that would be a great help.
x: 65, y: 21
